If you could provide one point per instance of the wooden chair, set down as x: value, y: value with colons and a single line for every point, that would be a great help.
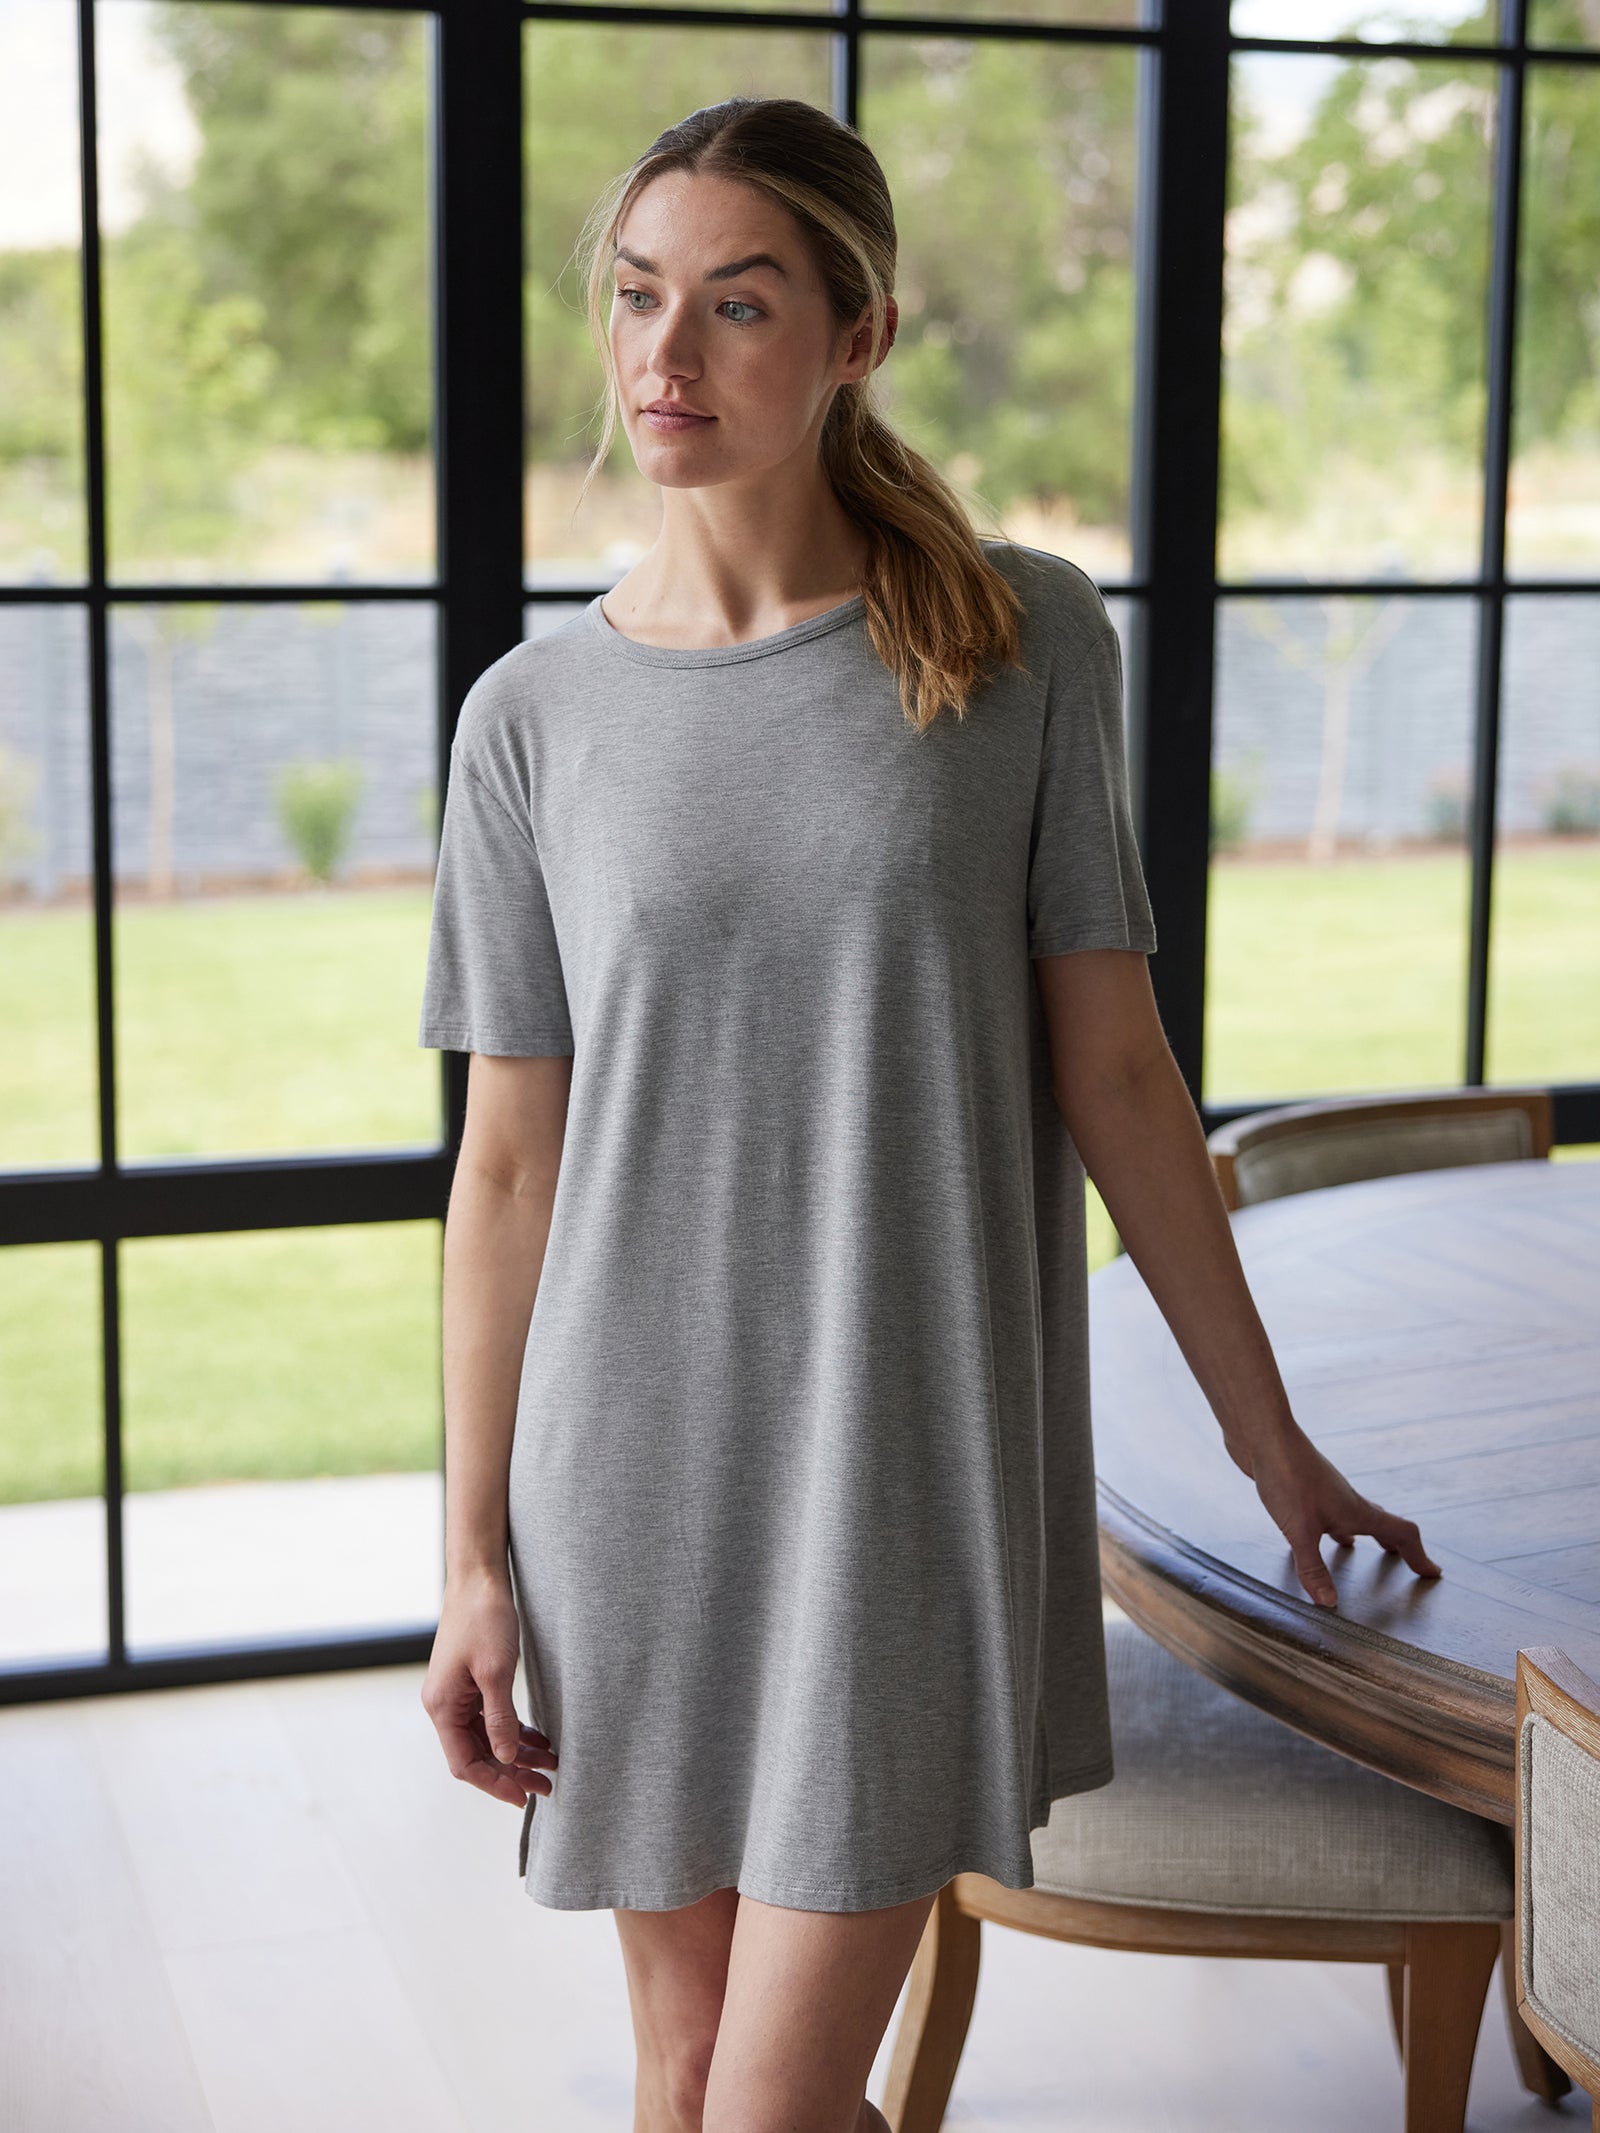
x: 1295, y: 1147
x: 1298, y: 1147
x: 1226, y: 1833
x: 1557, y: 1886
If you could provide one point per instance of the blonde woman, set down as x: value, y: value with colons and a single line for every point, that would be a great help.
x: 789, y: 905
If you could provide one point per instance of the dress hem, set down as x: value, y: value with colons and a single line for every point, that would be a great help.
x: 803, y: 1896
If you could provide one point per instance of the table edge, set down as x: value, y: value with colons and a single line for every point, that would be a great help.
x: 1432, y: 1723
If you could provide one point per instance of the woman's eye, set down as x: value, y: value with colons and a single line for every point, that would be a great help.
x: 737, y: 302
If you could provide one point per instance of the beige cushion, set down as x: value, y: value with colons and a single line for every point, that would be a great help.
x: 1377, y: 1148
x: 1217, y: 1807
x: 1561, y: 1883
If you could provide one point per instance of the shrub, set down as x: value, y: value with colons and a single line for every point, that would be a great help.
x: 1232, y: 799
x: 1572, y: 808
x: 316, y: 810
x: 1445, y: 808
x: 19, y: 782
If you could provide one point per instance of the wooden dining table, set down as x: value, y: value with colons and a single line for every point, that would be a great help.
x: 1439, y: 1337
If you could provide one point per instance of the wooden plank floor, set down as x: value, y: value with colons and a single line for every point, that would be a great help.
x: 268, y: 1906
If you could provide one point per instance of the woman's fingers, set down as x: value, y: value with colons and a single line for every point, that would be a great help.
x: 1312, y: 1571
x: 1308, y: 1497
x: 1402, y: 1537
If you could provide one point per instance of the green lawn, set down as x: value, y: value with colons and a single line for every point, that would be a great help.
x: 1353, y: 975
x: 257, y: 1023
x: 245, y: 1024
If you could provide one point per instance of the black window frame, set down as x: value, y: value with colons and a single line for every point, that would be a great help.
x: 479, y: 594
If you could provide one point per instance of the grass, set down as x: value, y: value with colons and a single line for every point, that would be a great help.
x: 246, y: 1024
x: 258, y: 1023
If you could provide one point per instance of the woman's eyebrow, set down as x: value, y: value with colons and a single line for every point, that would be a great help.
x: 733, y: 268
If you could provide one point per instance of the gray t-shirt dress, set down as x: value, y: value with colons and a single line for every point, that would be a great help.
x: 802, y: 1520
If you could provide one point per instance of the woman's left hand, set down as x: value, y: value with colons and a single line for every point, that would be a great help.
x: 1307, y: 1496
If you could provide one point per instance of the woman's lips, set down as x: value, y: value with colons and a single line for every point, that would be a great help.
x: 661, y: 419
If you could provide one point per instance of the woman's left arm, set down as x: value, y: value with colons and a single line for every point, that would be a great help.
x: 1132, y: 1120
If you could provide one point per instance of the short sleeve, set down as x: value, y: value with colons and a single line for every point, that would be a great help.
x: 494, y: 981
x: 1086, y: 887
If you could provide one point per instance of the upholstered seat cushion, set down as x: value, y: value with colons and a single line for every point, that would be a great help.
x: 1561, y: 1883
x: 1217, y: 1807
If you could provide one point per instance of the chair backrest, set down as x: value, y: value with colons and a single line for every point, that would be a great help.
x: 1296, y: 1147
x: 1557, y: 1839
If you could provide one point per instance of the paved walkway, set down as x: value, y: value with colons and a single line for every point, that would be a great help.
x: 238, y: 1560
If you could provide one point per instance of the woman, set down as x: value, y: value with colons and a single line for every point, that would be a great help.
x: 789, y: 902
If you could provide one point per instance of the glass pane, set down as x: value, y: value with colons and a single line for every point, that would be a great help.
x: 1544, y: 942
x: 1126, y: 14
x: 52, y: 1456
x: 1354, y: 336
x: 274, y: 788
x: 539, y: 617
x: 1337, y: 929
x: 1564, y: 22
x: 595, y: 100
x: 282, y: 1433
x: 48, y: 1074
x: 1553, y: 516
x: 1104, y: 1243
x: 268, y: 392
x: 43, y: 533
x: 735, y: 7
x: 1411, y: 22
x: 1012, y: 168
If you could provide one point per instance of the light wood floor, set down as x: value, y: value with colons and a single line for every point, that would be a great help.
x: 268, y: 1908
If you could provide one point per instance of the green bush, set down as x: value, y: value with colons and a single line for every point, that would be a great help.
x: 1232, y: 799
x: 19, y: 781
x: 316, y: 812
x: 1573, y: 806
x: 1447, y: 808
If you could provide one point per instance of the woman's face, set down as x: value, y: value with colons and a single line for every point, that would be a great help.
x: 755, y: 352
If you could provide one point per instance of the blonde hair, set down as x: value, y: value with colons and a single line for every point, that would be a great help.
x: 938, y: 611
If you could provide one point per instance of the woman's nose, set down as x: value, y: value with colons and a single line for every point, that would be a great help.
x: 673, y: 349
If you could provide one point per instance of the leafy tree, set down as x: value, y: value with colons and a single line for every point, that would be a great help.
x: 308, y: 201
x: 1387, y: 199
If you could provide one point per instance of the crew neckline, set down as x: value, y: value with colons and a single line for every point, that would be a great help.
x: 720, y: 655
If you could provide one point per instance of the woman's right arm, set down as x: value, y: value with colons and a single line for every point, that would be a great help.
x: 495, y: 1232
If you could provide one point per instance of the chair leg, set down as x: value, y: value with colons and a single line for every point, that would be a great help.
x: 1537, y: 2071
x: 1447, y: 1980
x: 1396, y: 1975
x: 939, y: 1994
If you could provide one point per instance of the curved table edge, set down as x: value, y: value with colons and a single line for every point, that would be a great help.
x: 1332, y: 1680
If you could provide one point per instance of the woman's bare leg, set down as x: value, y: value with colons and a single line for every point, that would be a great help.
x: 807, y: 1997
x: 677, y: 1968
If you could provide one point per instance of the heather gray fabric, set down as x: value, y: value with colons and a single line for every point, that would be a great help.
x: 801, y: 1495
x: 1377, y: 1148
x: 1218, y: 1807
x: 1560, y: 1804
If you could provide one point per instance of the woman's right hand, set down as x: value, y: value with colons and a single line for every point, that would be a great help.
x: 467, y: 1693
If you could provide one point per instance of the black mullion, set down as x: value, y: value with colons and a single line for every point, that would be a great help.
x: 333, y: 591
x: 845, y: 55
x: 452, y: 1099
x: 964, y: 27
x: 1502, y: 325
x: 478, y: 367
x: 100, y: 802
x: 1183, y: 184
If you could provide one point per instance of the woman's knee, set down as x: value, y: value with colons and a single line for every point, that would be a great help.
x: 677, y: 1970
x: 681, y: 2082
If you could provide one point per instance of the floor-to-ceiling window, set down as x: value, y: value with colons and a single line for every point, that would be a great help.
x: 1284, y: 328
x: 219, y: 716
x: 1405, y: 883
